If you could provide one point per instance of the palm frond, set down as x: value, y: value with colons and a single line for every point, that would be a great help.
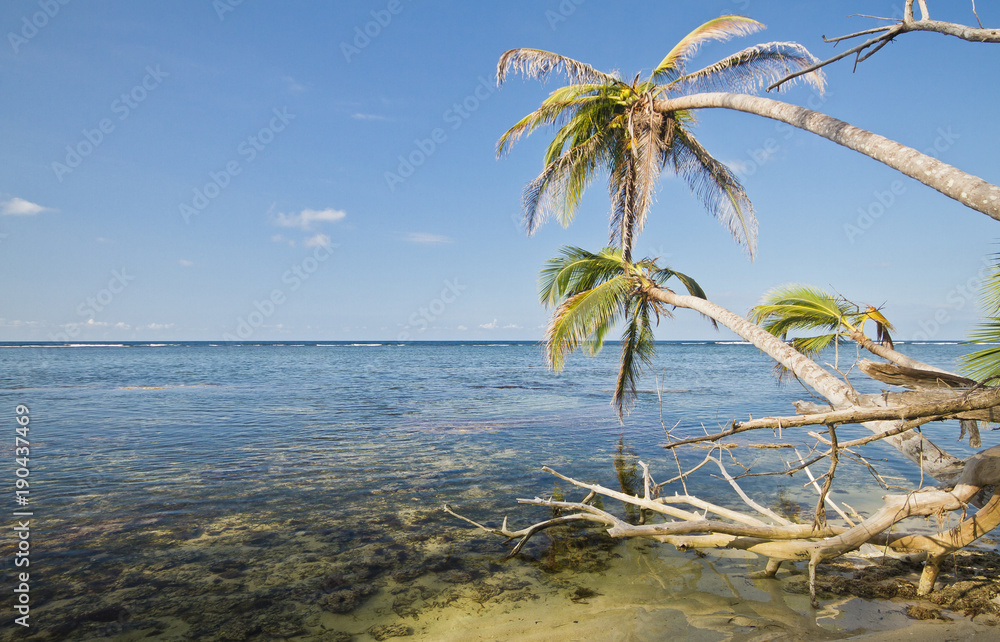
x: 560, y: 186
x: 985, y: 363
x: 989, y: 294
x: 536, y: 63
x: 750, y: 70
x: 661, y: 275
x: 638, y: 349
x: 574, y: 271
x: 721, y: 28
x: 584, y: 319
x: 798, y: 307
x: 716, y: 187
x: 812, y: 346
x: 562, y: 105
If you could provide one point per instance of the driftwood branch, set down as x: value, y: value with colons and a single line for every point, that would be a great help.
x: 914, y: 377
x: 780, y: 541
x: 960, y: 403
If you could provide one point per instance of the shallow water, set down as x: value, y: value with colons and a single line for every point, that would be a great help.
x: 275, y: 491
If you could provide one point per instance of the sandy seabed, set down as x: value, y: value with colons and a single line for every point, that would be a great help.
x: 648, y: 592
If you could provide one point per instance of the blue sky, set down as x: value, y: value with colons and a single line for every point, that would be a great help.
x: 199, y: 170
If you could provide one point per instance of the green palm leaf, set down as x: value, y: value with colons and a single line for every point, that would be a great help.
x: 985, y: 363
x: 561, y: 106
x: 585, y: 318
x: 812, y: 346
x: 638, y: 350
x: 560, y: 186
x: 799, y: 307
x: 591, y: 293
x: 574, y: 271
x: 606, y: 124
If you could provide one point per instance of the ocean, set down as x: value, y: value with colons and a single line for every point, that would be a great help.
x: 294, y: 490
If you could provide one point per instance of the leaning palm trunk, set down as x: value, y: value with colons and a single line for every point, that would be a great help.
x: 890, y: 354
x: 933, y: 460
x: 967, y: 189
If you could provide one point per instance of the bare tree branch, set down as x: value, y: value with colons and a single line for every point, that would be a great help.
x: 855, y: 415
x: 906, y: 25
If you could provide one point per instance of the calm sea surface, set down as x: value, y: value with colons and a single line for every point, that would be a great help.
x: 196, y: 491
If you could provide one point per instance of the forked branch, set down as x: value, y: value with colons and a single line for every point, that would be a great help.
x: 887, y: 33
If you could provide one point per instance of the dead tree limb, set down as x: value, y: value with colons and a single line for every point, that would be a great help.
x: 786, y: 541
x: 888, y: 33
x: 988, y: 398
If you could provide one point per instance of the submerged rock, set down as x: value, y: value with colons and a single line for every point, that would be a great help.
x: 386, y: 631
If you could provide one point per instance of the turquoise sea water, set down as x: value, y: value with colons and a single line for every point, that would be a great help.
x: 294, y: 491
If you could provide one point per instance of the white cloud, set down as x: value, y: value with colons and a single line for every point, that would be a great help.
x: 318, y: 240
x: 280, y: 238
x: 20, y: 207
x: 185, y: 262
x: 512, y: 326
x: 292, y: 85
x: 157, y: 326
x: 16, y: 323
x: 96, y: 324
x: 423, y: 238
x: 304, y: 219
x: 462, y: 327
x: 121, y: 325
x: 359, y: 116
x: 493, y: 325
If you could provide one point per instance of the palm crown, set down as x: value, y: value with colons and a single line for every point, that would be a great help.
x: 591, y: 293
x: 801, y: 307
x: 606, y: 124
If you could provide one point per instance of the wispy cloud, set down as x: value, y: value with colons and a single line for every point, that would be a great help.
x: 157, y: 326
x: 17, y: 323
x: 185, y: 262
x: 492, y: 325
x: 318, y: 240
x: 293, y: 86
x: 20, y: 207
x: 305, y: 219
x: 281, y: 238
x: 361, y: 116
x: 423, y: 238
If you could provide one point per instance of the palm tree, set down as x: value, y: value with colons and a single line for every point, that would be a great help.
x: 984, y: 364
x: 607, y: 124
x: 633, y: 132
x: 802, y: 307
x: 591, y: 293
x: 968, y: 189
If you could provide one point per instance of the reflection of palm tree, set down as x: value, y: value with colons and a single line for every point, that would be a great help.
x: 590, y: 293
x: 611, y: 125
